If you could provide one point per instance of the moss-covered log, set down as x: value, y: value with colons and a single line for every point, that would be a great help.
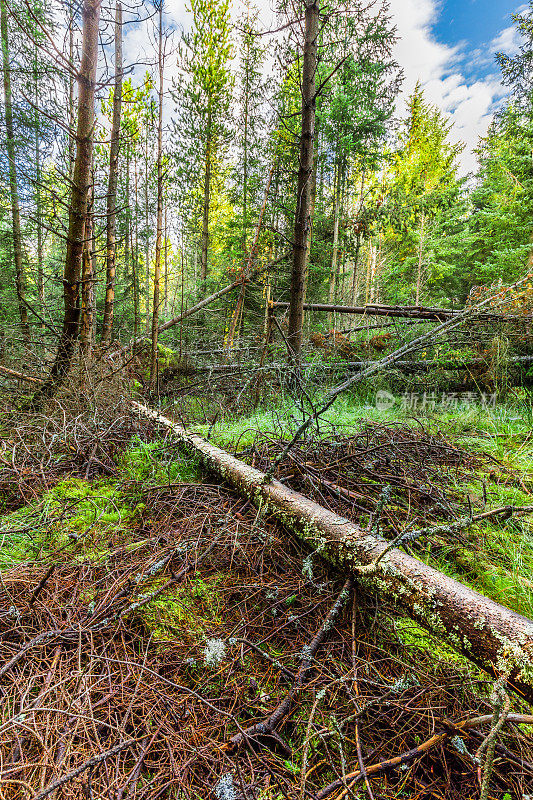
x: 498, y: 640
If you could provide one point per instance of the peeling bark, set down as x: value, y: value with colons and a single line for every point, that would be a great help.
x: 498, y: 640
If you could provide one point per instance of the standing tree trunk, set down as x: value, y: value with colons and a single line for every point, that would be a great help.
x: 78, y: 205
x: 159, y: 222
x: 87, y: 283
x: 107, y: 324
x: 13, y: 187
x: 165, y: 237
x: 147, y: 238
x: 206, y: 204
x: 38, y: 200
x: 335, y: 250
x: 71, y: 109
x: 303, y: 220
x: 135, y: 258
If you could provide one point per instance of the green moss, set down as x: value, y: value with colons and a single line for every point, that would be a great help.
x: 159, y: 462
x: 75, y: 513
x: 190, y: 610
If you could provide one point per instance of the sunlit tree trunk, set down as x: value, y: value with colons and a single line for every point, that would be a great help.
x: 107, y: 324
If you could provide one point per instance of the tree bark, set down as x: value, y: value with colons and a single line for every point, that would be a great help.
x: 159, y: 220
x: 13, y: 184
x: 71, y: 104
x: 303, y: 221
x: 491, y: 636
x: 78, y: 205
x: 147, y: 239
x: 406, y: 312
x: 107, y: 324
x: 38, y: 198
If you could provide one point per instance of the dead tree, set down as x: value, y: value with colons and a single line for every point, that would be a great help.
x: 86, y: 78
x: 107, y: 324
x: 493, y: 637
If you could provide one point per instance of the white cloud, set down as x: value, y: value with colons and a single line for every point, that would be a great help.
x: 469, y: 104
x: 507, y: 41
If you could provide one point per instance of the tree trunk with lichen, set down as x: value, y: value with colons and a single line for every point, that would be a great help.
x: 494, y: 638
x: 13, y: 184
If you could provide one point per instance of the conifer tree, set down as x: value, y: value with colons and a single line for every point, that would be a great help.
x: 203, y: 95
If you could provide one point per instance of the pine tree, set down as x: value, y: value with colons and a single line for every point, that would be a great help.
x: 203, y: 95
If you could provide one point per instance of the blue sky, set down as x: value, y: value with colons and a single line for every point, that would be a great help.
x: 449, y: 46
x: 474, y: 25
x: 474, y: 21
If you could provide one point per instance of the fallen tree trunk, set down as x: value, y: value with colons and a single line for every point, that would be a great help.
x: 494, y: 638
x: 408, y: 312
x: 403, y: 312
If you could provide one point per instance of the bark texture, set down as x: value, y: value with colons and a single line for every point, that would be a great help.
x: 78, y: 205
x: 496, y: 639
x: 303, y: 221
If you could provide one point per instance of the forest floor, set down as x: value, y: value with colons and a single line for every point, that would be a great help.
x: 148, y: 613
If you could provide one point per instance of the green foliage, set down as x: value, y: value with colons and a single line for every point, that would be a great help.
x: 420, y: 184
